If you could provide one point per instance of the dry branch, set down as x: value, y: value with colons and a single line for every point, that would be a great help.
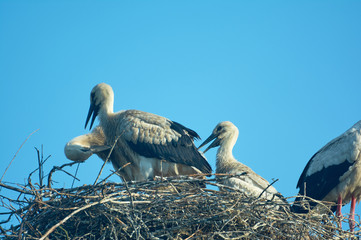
x: 16, y: 154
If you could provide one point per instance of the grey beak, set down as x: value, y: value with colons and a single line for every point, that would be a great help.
x: 93, y: 110
x: 215, y: 143
x: 99, y: 148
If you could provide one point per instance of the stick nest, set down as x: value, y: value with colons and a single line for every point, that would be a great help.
x: 173, y: 208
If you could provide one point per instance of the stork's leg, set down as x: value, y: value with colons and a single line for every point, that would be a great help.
x: 351, y: 219
x: 338, y: 211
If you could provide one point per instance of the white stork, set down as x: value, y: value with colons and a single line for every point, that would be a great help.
x: 225, y: 135
x: 82, y: 147
x: 333, y: 174
x: 154, y: 145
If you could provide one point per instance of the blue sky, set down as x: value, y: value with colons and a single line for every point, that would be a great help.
x: 286, y: 73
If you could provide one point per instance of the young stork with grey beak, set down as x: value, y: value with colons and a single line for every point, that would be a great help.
x: 333, y: 174
x: 225, y: 135
x: 153, y: 145
x: 82, y: 147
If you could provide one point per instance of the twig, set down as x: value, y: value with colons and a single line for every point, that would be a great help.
x: 41, y: 162
x: 115, y: 172
x: 106, y: 160
x: 17, y: 153
x: 70, y: 215
x: 76, y: 173
x: 269, y: 185
x: 14, y: 188
x: 59, y: 168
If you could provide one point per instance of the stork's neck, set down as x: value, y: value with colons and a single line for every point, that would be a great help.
x: 224, y: 153
x: 106, y: 110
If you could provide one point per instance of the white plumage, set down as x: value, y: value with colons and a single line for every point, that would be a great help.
x: 225, y: 135
x: 333, y: 174
x: 153, y: 145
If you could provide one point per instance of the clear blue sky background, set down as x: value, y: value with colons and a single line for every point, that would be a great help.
x: 287, y: 73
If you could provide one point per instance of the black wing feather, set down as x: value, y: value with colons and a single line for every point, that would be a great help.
x: 181, y: 151
x: 180, y: 129
x: 320, y: 183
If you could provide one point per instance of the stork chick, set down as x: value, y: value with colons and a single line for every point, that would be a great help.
x: 82, y: 147
x: 153, y: 145
x: 225, y: 135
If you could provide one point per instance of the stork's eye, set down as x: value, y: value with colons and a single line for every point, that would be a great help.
x: 219, y: 128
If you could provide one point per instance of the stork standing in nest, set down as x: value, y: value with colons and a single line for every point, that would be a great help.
x: 153, y: 145
x: 333, y: 174
x: 225, y: 135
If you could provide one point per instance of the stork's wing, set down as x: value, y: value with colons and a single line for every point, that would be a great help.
x: 324, y: 170
x: 153, y: 136
x: 251, y: 178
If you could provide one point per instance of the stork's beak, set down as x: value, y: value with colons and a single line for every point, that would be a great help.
x: 93, y: 110
x: 100, y: 148
x: 215, y: 143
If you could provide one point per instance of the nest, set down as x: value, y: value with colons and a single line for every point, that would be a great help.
x: 175, y: 208
x: 165, y: 208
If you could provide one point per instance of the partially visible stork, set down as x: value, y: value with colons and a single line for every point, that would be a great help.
x: 82, y: 147
x: 225, y: 135
x: 333, y: 174
x: 154, y: 145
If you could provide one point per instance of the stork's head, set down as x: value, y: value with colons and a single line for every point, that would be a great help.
x: 224, y: 131
x: 101, y: 100
x: 82, y: 147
